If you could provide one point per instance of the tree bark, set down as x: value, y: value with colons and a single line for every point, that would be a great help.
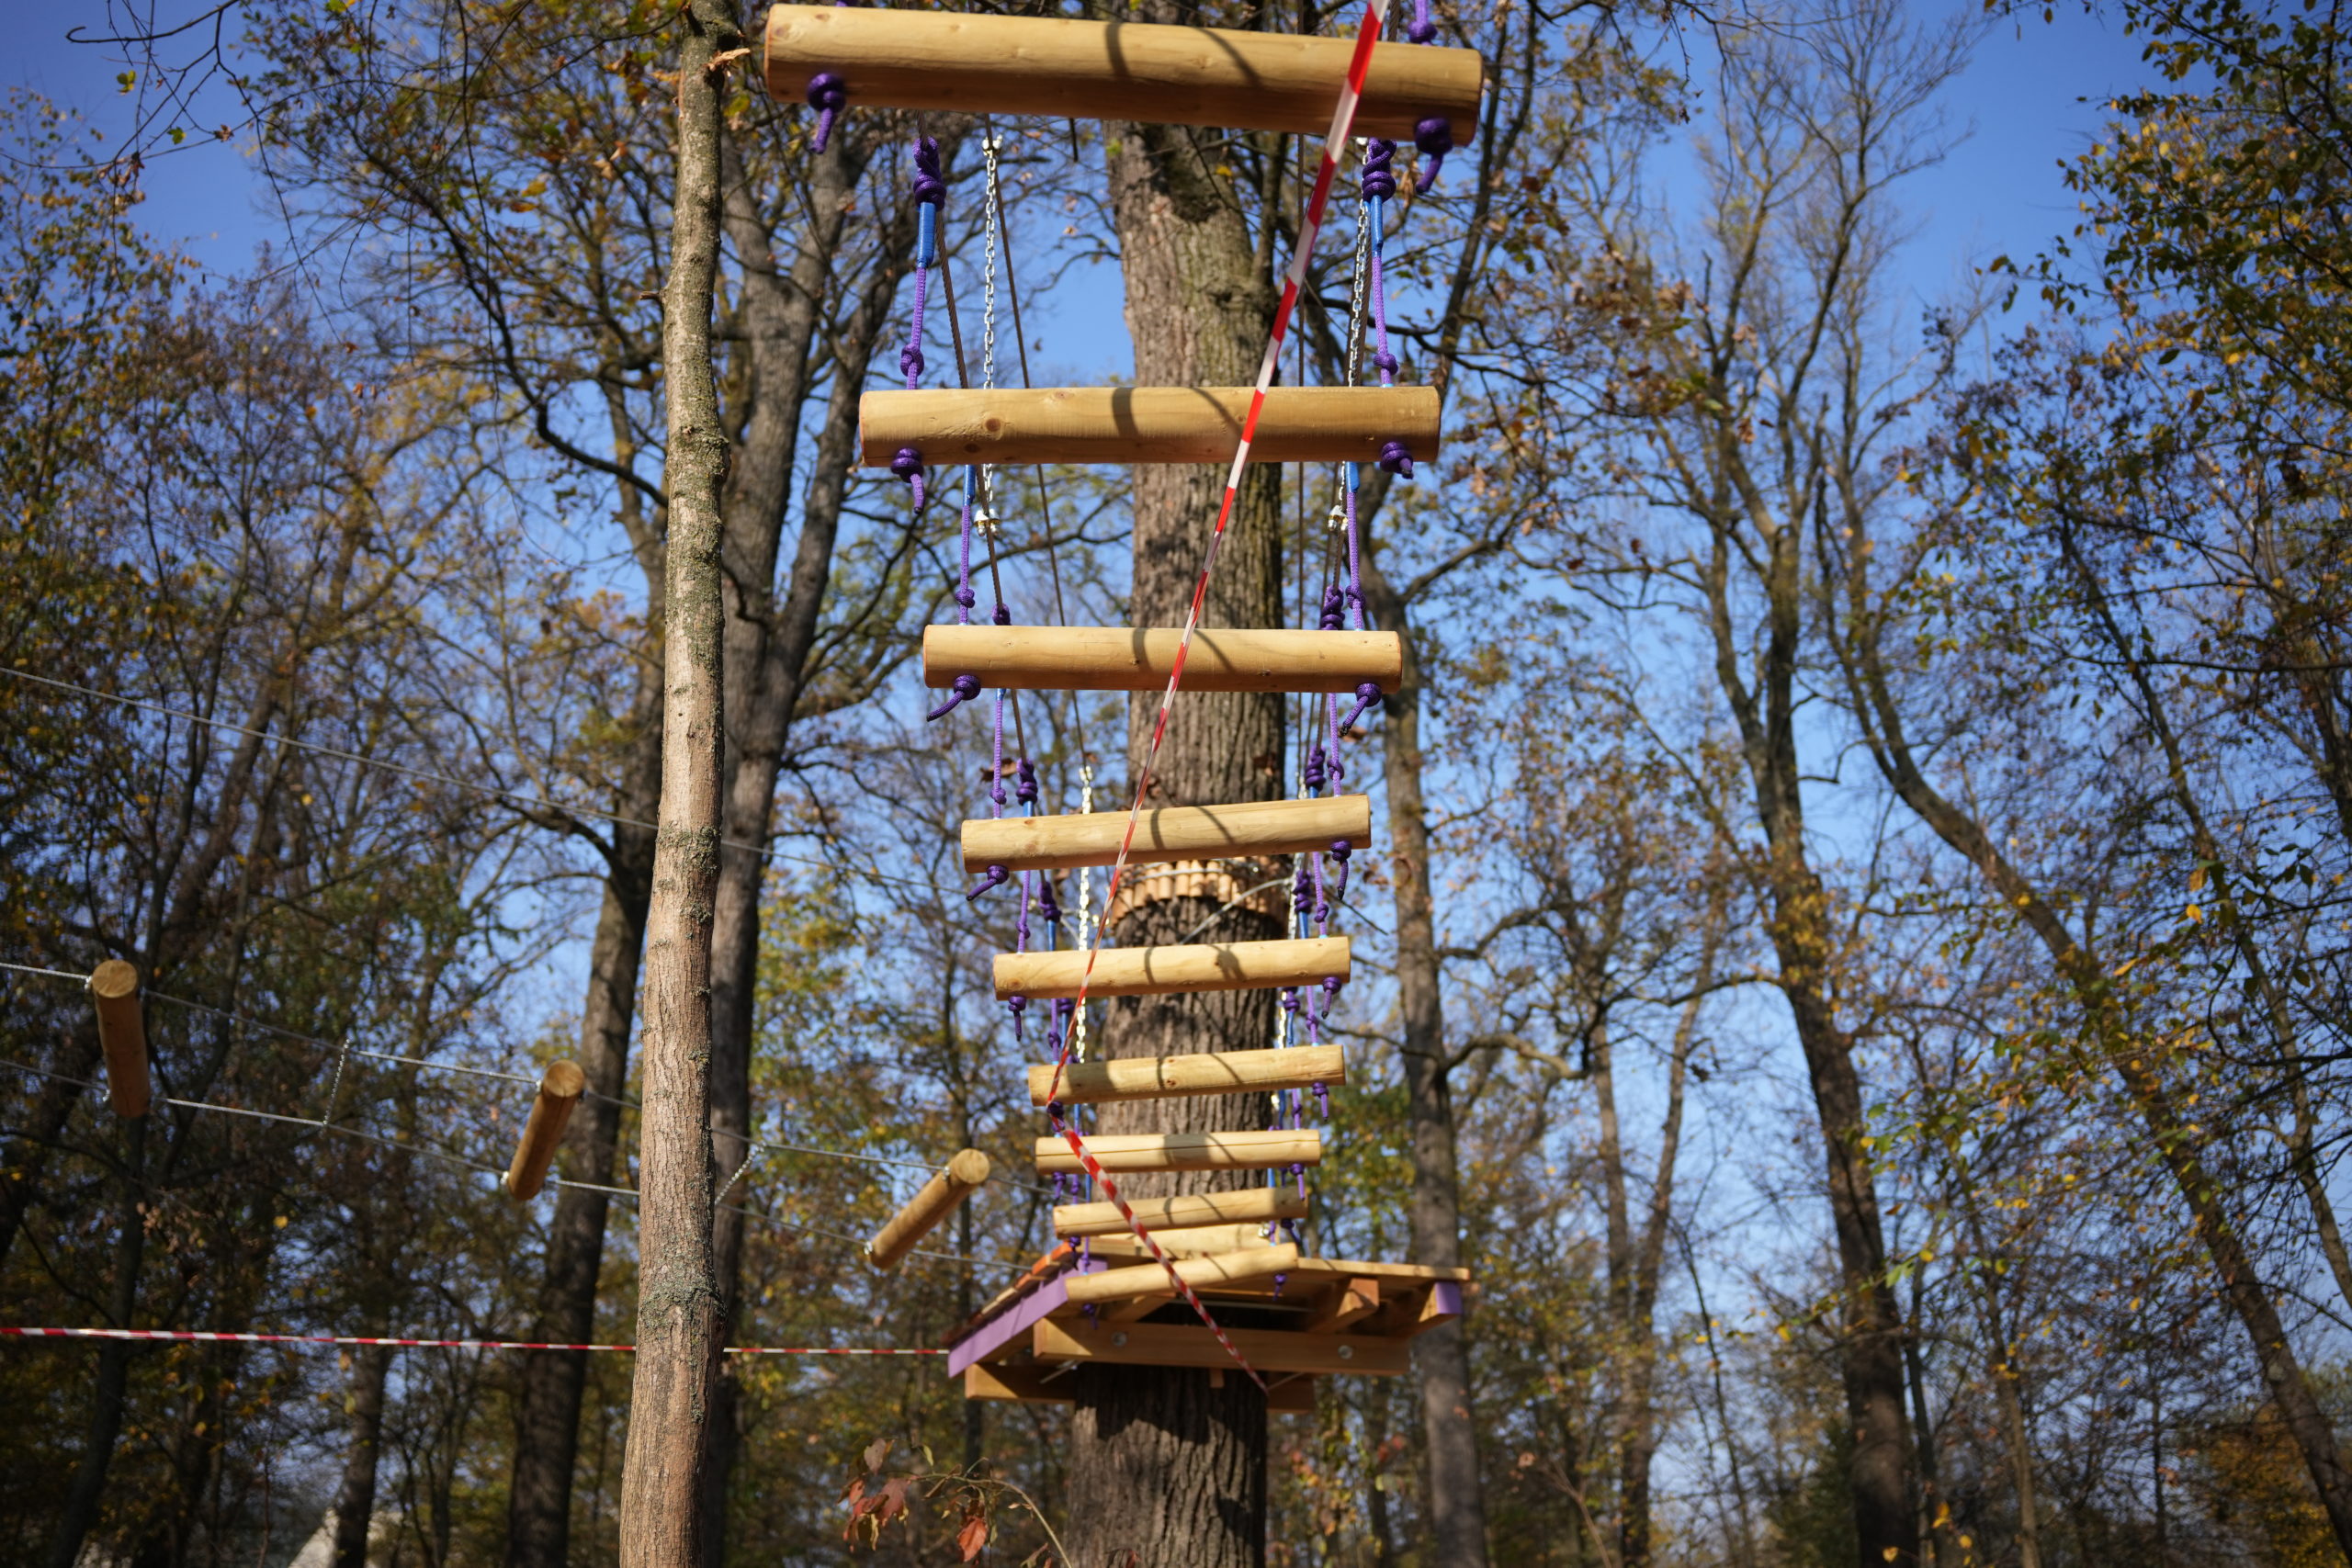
x: 766, y: 643
x: 554, y: 1382
x: 354, y: 1498
x: 1456, y: 1496
x: 1168, y: 1469
x: 678, y: 1308
x: 113, y: 1381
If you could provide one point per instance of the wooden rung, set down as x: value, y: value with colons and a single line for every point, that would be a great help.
x: 1184, y: 1345
x: 1035, y: 1384
x: 1256, y: 1204
x: 1064, y: 69
x: 1186, y: 1240
x: 1125, y: 1152
x: 1157, y: 971
x: 122, y: 1036
x: 560, y: 1089
x: 1138, y: 659
x: 927, y: 1208
x: 1144, y: 425
x: 1168, y: 833
x: 1222, y: 1072
x: 1200, y: 1273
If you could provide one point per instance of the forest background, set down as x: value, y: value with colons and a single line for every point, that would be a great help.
x: 1854, y: 938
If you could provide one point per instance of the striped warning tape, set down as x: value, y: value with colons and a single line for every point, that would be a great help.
x: 202, y: 1336
x: 1294, y: 281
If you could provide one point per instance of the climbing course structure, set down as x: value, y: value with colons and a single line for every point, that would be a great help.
x: 1220, y: 1279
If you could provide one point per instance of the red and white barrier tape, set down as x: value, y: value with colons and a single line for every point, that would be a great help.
x: 1294, y: 281
x: 202, y: 1336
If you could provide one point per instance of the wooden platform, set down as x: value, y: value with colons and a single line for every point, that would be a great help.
x: 1324, y: 1317
x: 1144, y: 425
x: 1139, y: 659
x: 960, y: 62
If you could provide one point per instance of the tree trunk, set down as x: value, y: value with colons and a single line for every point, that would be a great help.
x: 107, y: 1397
x: 766, y: 645
x: 1168, y: 1469
x: 53, y: 1104
x: 1440, y: 1357
x: 677, y: 1330
x: 554, y: 1382
x: 354, y: 1499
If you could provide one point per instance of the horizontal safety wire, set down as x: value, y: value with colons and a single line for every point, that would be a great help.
x: 203, y: 1337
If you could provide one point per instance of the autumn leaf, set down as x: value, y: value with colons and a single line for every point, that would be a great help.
x: 973, y: 1539
x: 875, y: 1453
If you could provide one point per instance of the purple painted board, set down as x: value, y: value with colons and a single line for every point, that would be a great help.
x: 999, y: 1331
x: 1445, y: 1296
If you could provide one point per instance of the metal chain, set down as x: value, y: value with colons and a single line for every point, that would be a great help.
x: 1085, y: 908
x: 1337, y: 518
x: 984, y: 516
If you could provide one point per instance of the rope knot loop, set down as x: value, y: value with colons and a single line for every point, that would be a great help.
x: 1433, y: 136
x: 828, y: 95
x: 1379, y: 169
x: 1395, y: 457
x: 961, y: 690
x: 930, y: 187
x: 996, y: 876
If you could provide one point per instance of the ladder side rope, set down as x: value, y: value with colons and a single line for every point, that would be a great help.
x: 1294, y: 281
x: 210, y: 1336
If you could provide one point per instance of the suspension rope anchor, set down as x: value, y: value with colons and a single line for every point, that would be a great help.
x: 962, y: 690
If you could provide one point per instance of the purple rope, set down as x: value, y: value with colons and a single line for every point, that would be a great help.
x: 1367, y: 699
x: 961, y: 690
x: 1333, y: 768
x: 1355, y: 560
x: 1322, y: 900
x: 1326, y: 902
x: 995, y: 877
x: 928, y: 192
x: 1020, y: 919
x: 828, y: 95
x: 1433, y: 136
x: 1423, y: 29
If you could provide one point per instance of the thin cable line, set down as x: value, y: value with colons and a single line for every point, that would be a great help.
x: 494, y: 791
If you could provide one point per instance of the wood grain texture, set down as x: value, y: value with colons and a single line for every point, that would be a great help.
x: 1219, y: 1072
x: 964, y: 63
x: 1119, y: 1152
x: 122, y: 1036
x: 551, y: 1108
x: 1256, y: 1204
x: 1184, y: 1345
x: 1138, y: 659
x: 948, y: 1187
x: 1073, y: 839
x: 1201, y: 1273
x: 1180, y: 967
x: 1039, y: 1385
x: 1144, y: 425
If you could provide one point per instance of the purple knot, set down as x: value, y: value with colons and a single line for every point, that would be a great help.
x: 1046, y: 905
x: 1367, y: 699
x: 996, y: 876
x: 1054, y: 1110
x: 1290, y: 999
x: 1335, y: 604
x: 1384, y: 362
x: 996, y: 790
x: 963, y: 595
x: 961, y: 690
x: 1311, y: 775
x: 1338, y: 890
x: 1017, y: 1005
x: 828, y: 95
x: 911, y: 367
x: 1025, y: 784
x: 1301, y: 895
x: 1379, y: 169
x: 1423, y: 29
x: 1001, y: 615
x: 1433, y: 136
x: 929, y: 186
x: 1322, y: 1101
x: 1396, y: 459
x: 908, y: 464
x: 1330, y: 987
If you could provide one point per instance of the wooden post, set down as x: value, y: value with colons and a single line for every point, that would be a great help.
x: 559, y: 1088
x: 1138, y: 659
x: 959, y: 62
x: 1170, y: 833
x: 1255, y: 1204
x: 1144, y: 425
x: 1119, y: 1152
x: 1201, y: 1273
x: 1157, y: 971
x: 1221, y: 1072
x: 924, y: 1213
x: 122, y: 1035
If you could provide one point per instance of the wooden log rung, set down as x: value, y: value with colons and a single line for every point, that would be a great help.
x: 1161, y: 971
x: 1125, y: 1153
x: 1144, y: 425
x: 923, y: 1213
x: 1069, y: 840
x: 560, y: 1089
x: 1160, y: 1077
x: 1200, y: 1273
x: 1061, y: 68
x: 122, y: 1036
x: 1139, y: 659
x: 1255, y: 1205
